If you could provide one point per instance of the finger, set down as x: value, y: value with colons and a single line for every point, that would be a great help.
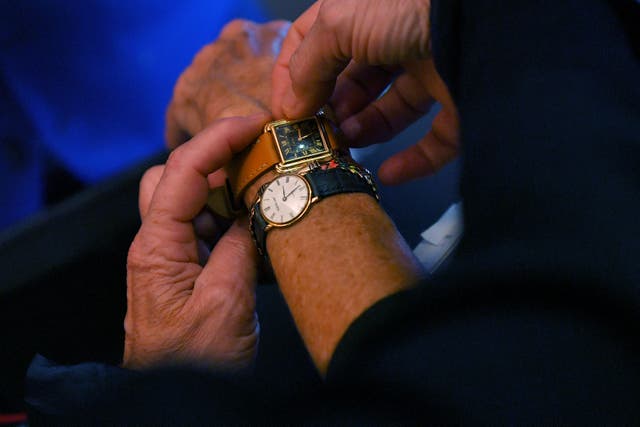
x: 235, y: 249
x: 405, y: 101
x: 207, y: 227
x: 225, y: 290
x: 232, y: 264
x: 315, y: 65
x: 183, y: 189
x: 217, y: 178
x: 426, y: 157
x: 281, y: 79
x: 369, y: 32
x: 358, y: 86
x: 148, y: 185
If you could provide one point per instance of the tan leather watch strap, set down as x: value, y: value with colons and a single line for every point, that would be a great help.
x: 255, y: 160
x: 262, y: 156
x: 330, y: 134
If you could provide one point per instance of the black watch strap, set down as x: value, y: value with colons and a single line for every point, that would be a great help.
x: 258, y: 227
x: 328, y: 182
x: 323, y: 183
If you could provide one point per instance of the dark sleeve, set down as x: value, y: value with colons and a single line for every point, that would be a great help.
x: 503, y: 353
x: 61, y: 394
x: 537, y: 318
x: 98, y: 394
x: 550, y: 123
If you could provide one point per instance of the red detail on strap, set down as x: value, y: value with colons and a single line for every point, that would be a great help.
x: 6, y: 419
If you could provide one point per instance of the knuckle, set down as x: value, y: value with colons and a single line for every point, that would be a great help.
x: 142, y: 254
x: 136, y: 257
x: 215, y: 298
x: 237, y: 27
x: 295, y: 68
x: 418, y: 34
x: 234, y: 106
x: 154, y: 272
x: 151, y: 176
x: 336, y: 28
x: 175, y: 161
x: 129, y: 323
x: 330, y: 15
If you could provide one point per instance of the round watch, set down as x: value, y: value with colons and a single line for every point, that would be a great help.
x: 285, y: 200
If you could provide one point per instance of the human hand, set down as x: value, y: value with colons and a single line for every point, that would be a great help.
x: 179, y: 311
x: 229, y: 77
x: 349, y: 52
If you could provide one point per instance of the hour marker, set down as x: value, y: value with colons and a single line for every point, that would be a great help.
x: 281, y: 218
x: 287, y: 180
x: 268, y: 208
x: 271, y: 190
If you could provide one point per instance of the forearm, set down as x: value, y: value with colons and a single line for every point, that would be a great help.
x: 344, y: 256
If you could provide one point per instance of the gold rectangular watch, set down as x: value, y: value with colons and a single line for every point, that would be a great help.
x: 285, y: 145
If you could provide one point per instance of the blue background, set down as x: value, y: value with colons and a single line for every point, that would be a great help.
x: 84, y: 85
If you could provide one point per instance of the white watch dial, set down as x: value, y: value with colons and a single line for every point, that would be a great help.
x: 285, y: 199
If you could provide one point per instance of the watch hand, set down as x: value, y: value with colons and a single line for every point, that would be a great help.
x: 290, y: 193
x: 300, y: 138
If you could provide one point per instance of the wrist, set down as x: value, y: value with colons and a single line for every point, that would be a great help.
x: 342, y: 258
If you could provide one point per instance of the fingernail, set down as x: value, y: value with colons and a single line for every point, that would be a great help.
x: 351, y: 128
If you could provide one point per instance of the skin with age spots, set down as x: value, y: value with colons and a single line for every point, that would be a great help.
x: 344, y: 255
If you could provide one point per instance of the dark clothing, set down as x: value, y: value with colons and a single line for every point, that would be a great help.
x: 538, y: 319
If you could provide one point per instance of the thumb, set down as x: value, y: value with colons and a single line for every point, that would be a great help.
x: 234, y: 258
x: 148, y: 185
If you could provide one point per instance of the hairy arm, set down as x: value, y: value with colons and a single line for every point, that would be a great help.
x: 346, y: 253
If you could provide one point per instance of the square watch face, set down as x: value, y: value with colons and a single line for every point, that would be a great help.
x: 300, y: 140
